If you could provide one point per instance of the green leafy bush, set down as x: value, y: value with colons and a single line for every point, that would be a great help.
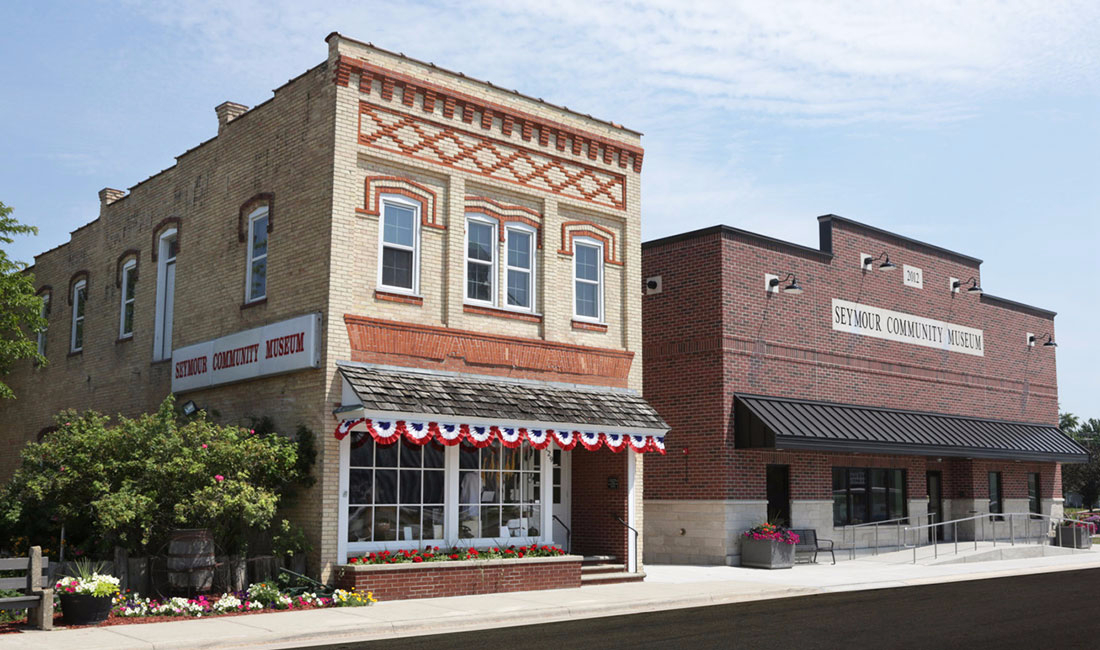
x: 130, y: 482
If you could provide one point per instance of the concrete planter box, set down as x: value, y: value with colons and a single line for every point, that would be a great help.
x: 766, y: 553
x: 460, y: 577
x: 1072, y: 537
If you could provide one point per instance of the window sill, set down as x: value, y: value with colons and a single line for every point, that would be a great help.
x: 124, y: 339
x: 254, y: 303
x: 404, y: 298
x: 502, y: 313
x: 591, y: 327
x: 158, y: 361
x: 75, y: 353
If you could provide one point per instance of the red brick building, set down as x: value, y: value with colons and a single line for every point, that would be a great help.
x: 813, y: 386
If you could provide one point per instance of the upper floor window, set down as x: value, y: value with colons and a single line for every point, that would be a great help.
x: 129, y: 290
x: 520, y: 267
x: 80, y: 295
x: 399, y: 253
x: 256, y: 280
x: 588, y: 279
x: 45, y: 316
x: 480, y: 260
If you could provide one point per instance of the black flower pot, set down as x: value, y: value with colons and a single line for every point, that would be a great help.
x: 82, y: 609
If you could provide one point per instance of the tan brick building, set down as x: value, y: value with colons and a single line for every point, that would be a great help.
x: 379, y: 217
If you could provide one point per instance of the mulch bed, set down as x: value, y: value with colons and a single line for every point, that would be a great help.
x: 15, y: 627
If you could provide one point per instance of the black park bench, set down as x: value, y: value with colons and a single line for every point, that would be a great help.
x: 37, y: 597
x: 810, y: 543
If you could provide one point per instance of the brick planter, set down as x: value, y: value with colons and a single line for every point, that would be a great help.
x: 460, y: 578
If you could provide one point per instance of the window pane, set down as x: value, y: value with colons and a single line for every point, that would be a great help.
x: 130, y: 282
x: 400, y: 225
x: 878, y: 495
x: 478, y: 286
x: 897, y: 494
x: 433, y: 487
x: 532, y: 516
x: 469, y: 487
x: 259, y: 237
x: 587, y: 304
x: 519, y: 288
x: 410, y: 486
x: 385, y: 524
x: 360, y: 484
x: 387, y: 456
x: 840, y: 496
x: 173, y: 248
x: 409, y: 523
x: 480, y: 242
x: 78, y: 337
x: 857, y: 485
x: 433, y: 455
x: 433, y: 522
x: 258, y: 288
x: 490, y: 521
x: 81, y: 294
x: 588, y: 262
x: 510, y: 518
x: 410, y: 454
x: 128, y: 318
x: 359, y: 523
x: 363, y: 454
x: 519, y: 249
x: 385, y: 486
x: 509, y: 487
x: 397, y: 268
x: 490, y: 493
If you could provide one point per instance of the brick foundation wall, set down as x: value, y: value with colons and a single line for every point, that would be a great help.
x: 460, y: 578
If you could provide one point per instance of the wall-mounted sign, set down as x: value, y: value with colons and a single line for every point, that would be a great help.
x: 269, y: 350
x: 905, y: 328
x: 912, y: 276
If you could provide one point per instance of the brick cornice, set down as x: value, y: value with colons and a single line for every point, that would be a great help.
x: 457, y: 102
x: 402, y: 343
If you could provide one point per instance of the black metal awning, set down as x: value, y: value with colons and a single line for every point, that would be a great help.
x: 780, y: 423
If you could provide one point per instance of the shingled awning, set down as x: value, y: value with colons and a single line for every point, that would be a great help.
x: 780, y: 423
x: 451, y: 407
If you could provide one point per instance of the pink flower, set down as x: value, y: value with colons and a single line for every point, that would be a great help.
x: 204, y: 445
x: 252, y: 431
x: 219, y: 478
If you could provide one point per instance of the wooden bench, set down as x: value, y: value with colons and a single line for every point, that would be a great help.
x: 809, y: 542
x: 37, y: 598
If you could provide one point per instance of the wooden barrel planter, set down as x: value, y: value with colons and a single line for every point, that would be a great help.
x: 190, y: 561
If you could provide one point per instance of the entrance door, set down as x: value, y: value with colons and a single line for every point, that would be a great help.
x: 779, y: 494
x: 935, y: 505
x: 562, y: 493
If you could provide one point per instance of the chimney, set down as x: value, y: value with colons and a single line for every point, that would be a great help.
x: 227, y: 112
x: 107, y: 196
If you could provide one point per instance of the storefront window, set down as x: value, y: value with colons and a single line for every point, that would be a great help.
x: 863, y: 495
x: 499, y: 492
x: 395, y: 491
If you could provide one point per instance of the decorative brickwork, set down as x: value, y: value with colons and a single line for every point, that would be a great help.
x: 460, y: 578
x: 77, y: 277
x: 398, y: 297
x: 159, y: 229
x: 570, y: 230
x: 373, y: 186
x: 380, y: 341
x: 591, y: 327
x: 263, y: 198
x: 461, y: 149
x: 501, y: 313
x: 127, y: 255
x: 505, y: 213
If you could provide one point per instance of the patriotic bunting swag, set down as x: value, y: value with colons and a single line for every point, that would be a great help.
x: 385, y: 432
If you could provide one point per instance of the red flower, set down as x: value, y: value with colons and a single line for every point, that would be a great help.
x: 455, y: 556
x: 418, y: 559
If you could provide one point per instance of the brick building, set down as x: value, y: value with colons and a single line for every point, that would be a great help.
x: 381, y: 226
x: 866, y: 380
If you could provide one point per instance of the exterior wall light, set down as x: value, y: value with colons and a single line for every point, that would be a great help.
x: 1031, y: 340
x: 189, y: 408
x: 886, y: 265
x: 793, y: 287
x: 973, y: 288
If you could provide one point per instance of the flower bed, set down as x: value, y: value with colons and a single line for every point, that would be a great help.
x: 400, y: 575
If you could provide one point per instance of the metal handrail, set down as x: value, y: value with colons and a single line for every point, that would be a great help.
x: 896, y: 522
x: 633, y: 569
x: 568, y: 534
x: 993, y: 518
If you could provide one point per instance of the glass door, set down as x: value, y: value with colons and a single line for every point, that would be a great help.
x: 562, y: 494
x: 935, y: 505
x: 779, y: 494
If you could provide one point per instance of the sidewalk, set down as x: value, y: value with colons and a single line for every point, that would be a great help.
x: 666, y: 587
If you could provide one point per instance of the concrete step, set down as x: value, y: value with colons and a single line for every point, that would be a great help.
x: 598, y: 559
x: 593, y: 579
x: 593, y: 569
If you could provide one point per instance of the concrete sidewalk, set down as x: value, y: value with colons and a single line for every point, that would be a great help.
x: 666, y: 587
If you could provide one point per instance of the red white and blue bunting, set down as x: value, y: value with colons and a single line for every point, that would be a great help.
x: 386, y: 432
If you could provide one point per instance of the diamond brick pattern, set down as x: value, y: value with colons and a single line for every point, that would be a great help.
x: 425, y: 140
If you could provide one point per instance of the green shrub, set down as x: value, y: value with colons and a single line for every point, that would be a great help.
x: 130, y: 482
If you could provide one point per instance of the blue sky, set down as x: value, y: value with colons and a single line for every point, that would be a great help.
x: 974, y: 126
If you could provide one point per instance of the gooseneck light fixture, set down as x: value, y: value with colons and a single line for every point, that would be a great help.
x: 790, y: 288
x: 886, y: 265
x: 973, y: 288
x: 1049, y: 342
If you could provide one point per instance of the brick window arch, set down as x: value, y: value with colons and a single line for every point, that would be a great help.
x: 165, y: 224
x: 126, y: 256
x: 259, y: 200
x: 579, y: 228
x: 373, y: 186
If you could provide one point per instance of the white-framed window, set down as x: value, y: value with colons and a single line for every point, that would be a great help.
x: 481, y: 260
x: 588, y: 279
x: 166, y: 295
x: 408, y: 496
x: 80, y: 296
x: 399, y: 244
x: 519, y: 267
x: 126, y: 309
x: 46, y: 316
x: 256, y: 272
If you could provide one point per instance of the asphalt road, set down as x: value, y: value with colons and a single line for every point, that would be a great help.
x: 1052, y: 610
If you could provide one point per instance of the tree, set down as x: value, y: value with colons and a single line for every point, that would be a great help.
x: 20, y: 309
x: 1083, y: 478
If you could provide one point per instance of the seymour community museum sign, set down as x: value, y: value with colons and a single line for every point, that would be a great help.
x: 280, y: 347
x: 906, y: 328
